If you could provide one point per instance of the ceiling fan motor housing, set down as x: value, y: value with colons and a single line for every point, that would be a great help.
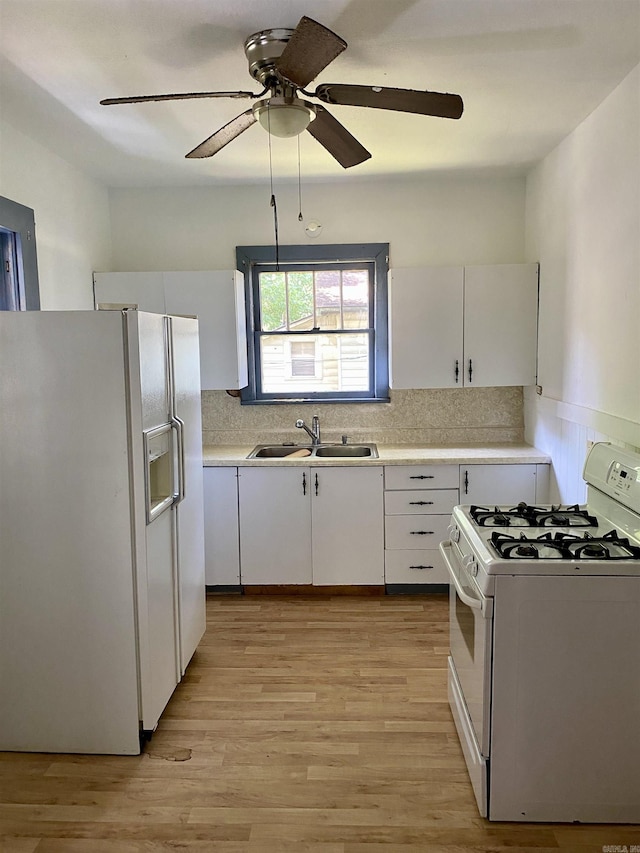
x: 263, y: 49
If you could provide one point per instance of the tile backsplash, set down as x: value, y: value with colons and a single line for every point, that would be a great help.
x: 441, y: 416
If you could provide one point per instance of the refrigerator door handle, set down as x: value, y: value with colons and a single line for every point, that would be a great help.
x: 177, y: 425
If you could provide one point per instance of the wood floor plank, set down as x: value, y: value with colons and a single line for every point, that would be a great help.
x: 304, y: 724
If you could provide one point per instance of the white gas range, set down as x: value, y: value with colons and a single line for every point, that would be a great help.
x: 544, y: 671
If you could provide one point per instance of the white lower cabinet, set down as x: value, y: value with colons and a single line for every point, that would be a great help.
x: 503, y: 484
x: 319, y: 526
x: 221, y: 536
x: 418, y: 500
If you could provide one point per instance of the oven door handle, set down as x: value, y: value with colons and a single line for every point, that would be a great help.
x: 484, y: 605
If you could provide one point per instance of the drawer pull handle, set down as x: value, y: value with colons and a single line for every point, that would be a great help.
x: 421, y: 532
x: 420, y: 503
x: 421, y: 476
x: 420, y: 567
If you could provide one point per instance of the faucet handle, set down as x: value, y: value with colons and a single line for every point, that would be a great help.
x: 299, y: 423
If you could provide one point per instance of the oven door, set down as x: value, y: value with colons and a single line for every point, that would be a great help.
x: 470, y: 638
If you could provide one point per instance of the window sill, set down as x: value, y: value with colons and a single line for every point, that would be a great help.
x: 297, y: 401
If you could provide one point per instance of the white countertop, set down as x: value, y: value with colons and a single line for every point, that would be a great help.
x: 223, y: 455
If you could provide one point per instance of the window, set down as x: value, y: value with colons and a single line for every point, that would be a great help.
x: 19, y: 278
x: 317, y: 323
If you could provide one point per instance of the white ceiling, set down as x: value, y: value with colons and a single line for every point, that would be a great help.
x: 529, y: 71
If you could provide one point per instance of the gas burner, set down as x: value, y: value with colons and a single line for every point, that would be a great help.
x: 611, y: 546
x: 524, y: 515
x: 543, y: 547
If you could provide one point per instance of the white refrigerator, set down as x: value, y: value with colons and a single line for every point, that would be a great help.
x: 102, y: 595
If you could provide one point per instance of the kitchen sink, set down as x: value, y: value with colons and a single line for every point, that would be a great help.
x: 347, y: 450
x: 320, y: 451
x: 275, y: 451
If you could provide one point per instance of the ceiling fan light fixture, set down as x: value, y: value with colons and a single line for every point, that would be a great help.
x: 284, y: 117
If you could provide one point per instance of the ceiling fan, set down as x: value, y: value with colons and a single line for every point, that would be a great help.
x: 284, y: 61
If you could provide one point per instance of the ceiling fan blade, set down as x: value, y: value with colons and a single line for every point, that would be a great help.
x: 310, y: 49
x: 223, y: 136
x: 336, y: 139
x: 138, y: 99
x: 402, y: 100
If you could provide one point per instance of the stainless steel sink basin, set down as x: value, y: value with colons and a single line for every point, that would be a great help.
x: 275, y: 451
x: 342, y: 450
x: 320, y: 451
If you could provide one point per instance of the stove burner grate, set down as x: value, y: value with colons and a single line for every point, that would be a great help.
x: 565, y: 546
x: 524, y: 515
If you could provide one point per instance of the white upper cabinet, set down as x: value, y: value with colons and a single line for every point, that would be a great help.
x: 144, y: 290
x: 453, y: 327
x: 216, y: 298
x: 500, y: 324
x: 425, y: 315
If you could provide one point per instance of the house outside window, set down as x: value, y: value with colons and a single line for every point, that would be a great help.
x: 317, y: 323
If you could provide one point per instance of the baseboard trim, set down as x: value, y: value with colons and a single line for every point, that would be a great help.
x: 309, y: 589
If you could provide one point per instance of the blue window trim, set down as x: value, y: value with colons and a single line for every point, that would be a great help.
x: 250, y: 257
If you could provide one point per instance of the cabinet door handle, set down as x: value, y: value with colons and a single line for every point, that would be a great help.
x: 421, y: 476
x: 466, y: 482
x: 420, y: 503
x: 304, y: 483
x: 470, y: 370
x: 316, y: 485
x: 457, y: 371
x: 420, y: 567
x: 421, y: 532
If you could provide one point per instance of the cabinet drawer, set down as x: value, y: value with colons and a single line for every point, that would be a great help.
x: 416, y: 502
x: 415, y: 531
x: 421, y: 477
x: 415, y: 567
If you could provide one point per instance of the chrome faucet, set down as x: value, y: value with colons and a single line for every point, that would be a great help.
x: 314, y: 432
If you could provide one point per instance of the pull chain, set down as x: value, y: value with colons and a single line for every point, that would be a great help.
x: 300, y: 216
x: 273, y: 197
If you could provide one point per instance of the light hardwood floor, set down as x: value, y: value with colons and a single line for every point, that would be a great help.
x: 304, y: 725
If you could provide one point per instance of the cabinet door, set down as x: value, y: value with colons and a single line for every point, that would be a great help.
x: 275, y: 525
x: 425, y: 310
x: 497, y: 484
x: 221, y: 529
x: 347, y: 525
x: 500, y: 324
x: 217, y: 299
x: 143, y: 289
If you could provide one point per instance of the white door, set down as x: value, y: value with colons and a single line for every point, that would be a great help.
x: 348, y: 526
x: 500, y: 324
x: 156, y: 571
x: 153, y: 368
x: 189, y: 509
x: 497, y: 484
x: 275, y: 525
x: 221, y: 531
x: 425, y: 311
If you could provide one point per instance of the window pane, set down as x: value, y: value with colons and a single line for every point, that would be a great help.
x: 355, y: 299
x: 340, y: 363
x: 273, y: 302
x: 300, y: 292
x: 328, y: 301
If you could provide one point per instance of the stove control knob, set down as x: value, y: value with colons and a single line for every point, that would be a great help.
x: 454, y: 533
x: 471, y: 565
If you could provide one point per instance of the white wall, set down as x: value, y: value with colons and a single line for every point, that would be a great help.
x: 443, y: 220
x: 583, y: 225
x: 72, y: 218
